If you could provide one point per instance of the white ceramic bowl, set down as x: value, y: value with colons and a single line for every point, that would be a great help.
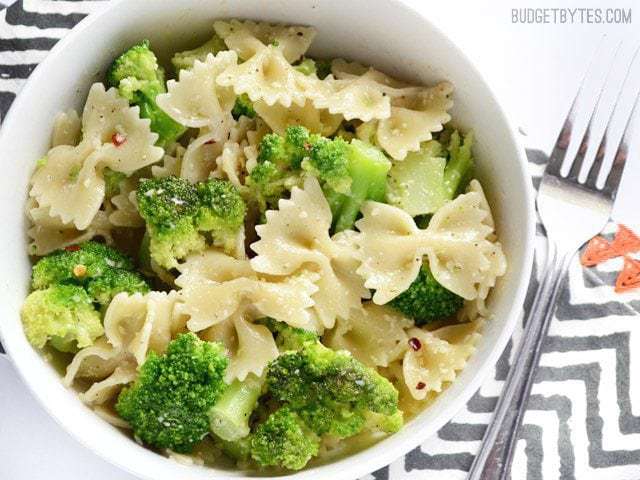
x: 385, y: 34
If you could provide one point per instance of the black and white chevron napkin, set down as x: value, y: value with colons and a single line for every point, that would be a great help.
x: 583, y: 420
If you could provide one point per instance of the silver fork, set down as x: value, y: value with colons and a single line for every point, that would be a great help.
x: 572, y: 213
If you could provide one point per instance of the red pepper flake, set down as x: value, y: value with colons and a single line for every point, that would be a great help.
x: 118, y: 139
x: 415, y: 344
x: 209, y: 142
x: 598, y: 250
x: 420, y: 385
x: 72, y: 248
x: 625, y: 241
x: 629, y: 277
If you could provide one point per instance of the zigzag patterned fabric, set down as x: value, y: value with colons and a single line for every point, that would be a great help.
x: 583, y: 420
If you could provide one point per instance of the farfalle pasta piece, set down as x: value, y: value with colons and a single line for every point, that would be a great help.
x: 96, y: 362
x: 212, y: 265
x: 138, y: 323
x: 230, y: 164
x: 208, y: 302
x: 49, y: 233
x: 316, y: 121
x: 437, y: 356
x: 69, y: 181
x: 254, y: 350
x: 365, y: 96
x: 296, y: 236
x: 247, y: 37
x: 107, y: 389
x: 199, y: 159
x: 373, y: 334
x: 267, y: 76
x: 412, y: 120
x: 458, y: 242
x: 196, y: 100
x: 67, y: 129
x: 171, y: 164
x: 125, y: 213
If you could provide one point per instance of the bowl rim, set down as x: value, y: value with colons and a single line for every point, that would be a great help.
x: 401, y: 442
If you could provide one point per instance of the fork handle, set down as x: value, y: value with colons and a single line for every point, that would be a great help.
x: 493, y: 461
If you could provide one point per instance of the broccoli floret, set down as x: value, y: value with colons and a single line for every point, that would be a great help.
x: 78, y: 263
x: 268, y: 183
x: 350, y: 173
x: 288, y: 337
x: 221, y: 211
x: 243, y: 106
x: 309, y: 66
x: 367, y: 167
x: 330, y: 390
x: 63, y: 314
x: 426, y: 300
x: 284, y: 440
x: 114, y: 281
x: 102, y: 270
x: 177, y: 213
x: 186, y: 59
x: 425, y: 180
x: 229, y: 417
x: 139, y: 79
x: 167, y: 405
x: 328, y: 160
x: 385, y: 423
x: 286, y: 151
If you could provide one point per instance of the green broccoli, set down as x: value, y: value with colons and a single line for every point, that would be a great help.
x: 62, y: 314
x: 112, y: 181
x: 268, y: 184
x: 328, y: 160
x: 350, y: 173
x: 102, y: 270
x: 426, y: 300
x: 238, y: 450
x: 288, y: 337
x: 284, y: 440
x: 367, y: 167
x: 229, y: 417
x: 425, y: 180
x: 278, y: 169
x: 243, y: 106
x: 331, y: 391
x: 185, y: 59
x: 178, y: 213
x: 139, y: 79
x: 107, y: 286
x: 168, y: 404
x: 310, y: 66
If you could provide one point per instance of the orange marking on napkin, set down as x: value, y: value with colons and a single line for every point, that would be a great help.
x: 625, y: 241
x: 629, y: 277
x: 598, y: 250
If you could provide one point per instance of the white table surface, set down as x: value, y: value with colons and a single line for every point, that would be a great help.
x: 535, y: 70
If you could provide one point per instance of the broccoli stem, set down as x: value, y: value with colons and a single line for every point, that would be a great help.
x: 229, y: 417
x: 368, y: 169
x: 458, y: 170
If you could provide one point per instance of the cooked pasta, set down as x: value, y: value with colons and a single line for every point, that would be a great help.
x: 287, y: 291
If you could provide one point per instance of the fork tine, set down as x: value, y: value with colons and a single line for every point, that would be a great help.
x: 576, y: 165
x: 564, y: 137
x: 621, y: 153
x: 615, y: 174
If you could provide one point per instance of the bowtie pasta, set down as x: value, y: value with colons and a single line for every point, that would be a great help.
x: 268, y: 256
